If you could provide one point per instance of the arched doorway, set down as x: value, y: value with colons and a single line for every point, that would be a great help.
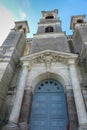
x: 49, y: 110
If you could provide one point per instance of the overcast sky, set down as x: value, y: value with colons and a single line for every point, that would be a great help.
x: 30, y: 10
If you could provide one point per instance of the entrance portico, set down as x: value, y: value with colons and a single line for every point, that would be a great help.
x: 53, y: 65
x: 56, y: 65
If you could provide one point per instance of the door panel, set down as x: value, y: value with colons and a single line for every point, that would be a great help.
x: 49, y: 107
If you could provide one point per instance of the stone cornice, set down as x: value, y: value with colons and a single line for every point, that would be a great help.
x: 56, y: 22
x: 49, y: 35
x: 48, y: 57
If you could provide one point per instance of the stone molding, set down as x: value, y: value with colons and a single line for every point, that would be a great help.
x: 49, y: 35
x: 50, y: 24
x: 48, y: 57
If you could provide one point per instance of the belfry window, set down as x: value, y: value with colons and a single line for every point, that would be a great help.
x: 20, y: 27
x: 49, y: 29
x: 49, y: 17
x: 80, y: 21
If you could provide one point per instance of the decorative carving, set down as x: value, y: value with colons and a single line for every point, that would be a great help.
x: 2, y: 51
x: 47, y: 57
x: 6, y: 52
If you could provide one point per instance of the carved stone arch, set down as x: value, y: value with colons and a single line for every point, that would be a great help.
x: 37, y: 77
x: 38, y: 97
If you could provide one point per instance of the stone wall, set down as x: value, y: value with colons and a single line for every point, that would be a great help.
x: 12, y: 38
x: 80, y: 41
x: 56, y: 44
x: 10, y: 96
x: 72, y: 114
x: 6, y: 73
x: 26, y: 107
x: 84, y: 93
x: 10, y: 53
x: 77, y: 42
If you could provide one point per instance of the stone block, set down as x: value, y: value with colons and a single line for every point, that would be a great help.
x: 26, y: 107
x: 83, y: 127
x: 56, y: 44
x: 11, y: 126
x: 73, y: 121
x: 24, y: 126
x: 12, y: 39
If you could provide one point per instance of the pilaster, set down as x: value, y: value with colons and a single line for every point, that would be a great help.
x: 14, y: 116
x: 19, y: 96
x: 80, y: 107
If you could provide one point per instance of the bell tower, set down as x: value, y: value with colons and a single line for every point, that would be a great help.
x: 50, y: 22
x: 49, y: 28
x: 10, y: 52
x: 79, y: 26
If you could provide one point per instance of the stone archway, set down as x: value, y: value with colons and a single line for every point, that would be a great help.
x: 32, y: 81
x: 64, y: 80
x: 36, y: 77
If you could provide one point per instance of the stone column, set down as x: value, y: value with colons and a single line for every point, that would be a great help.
x: 72, y: 114
x: 14, y: 117
x: 26, y: 106
x: 80, y: 107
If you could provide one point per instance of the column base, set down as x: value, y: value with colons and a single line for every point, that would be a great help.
x: 11, y: 126
x: 24, y: 126
x: 83, y: 127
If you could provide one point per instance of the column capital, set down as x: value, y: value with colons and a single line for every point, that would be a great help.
x: 25, y: 64
x: 72, y: 61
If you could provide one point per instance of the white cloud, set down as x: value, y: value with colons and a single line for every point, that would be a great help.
x: 6, y: 23
x: 22, y: 14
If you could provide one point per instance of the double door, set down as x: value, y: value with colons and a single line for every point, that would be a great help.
x: 49, y: 107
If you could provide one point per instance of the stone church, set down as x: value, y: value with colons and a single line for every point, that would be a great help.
x: 43, y: 80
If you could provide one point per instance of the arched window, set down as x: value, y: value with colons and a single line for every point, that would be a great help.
x: 80, y: 21
x: 49, y: 17
x: 49, y: 29
x: 20, y: 27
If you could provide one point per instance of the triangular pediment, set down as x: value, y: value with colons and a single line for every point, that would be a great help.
x: 48, y: 56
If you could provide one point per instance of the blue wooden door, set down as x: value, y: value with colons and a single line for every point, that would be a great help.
x: 49, y: 107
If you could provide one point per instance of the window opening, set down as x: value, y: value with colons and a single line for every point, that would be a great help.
x: 80, y: 21
x: 49, y: 17
x: 49, y: 29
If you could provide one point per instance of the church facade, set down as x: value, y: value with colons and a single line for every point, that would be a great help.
x: 43, y: 80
